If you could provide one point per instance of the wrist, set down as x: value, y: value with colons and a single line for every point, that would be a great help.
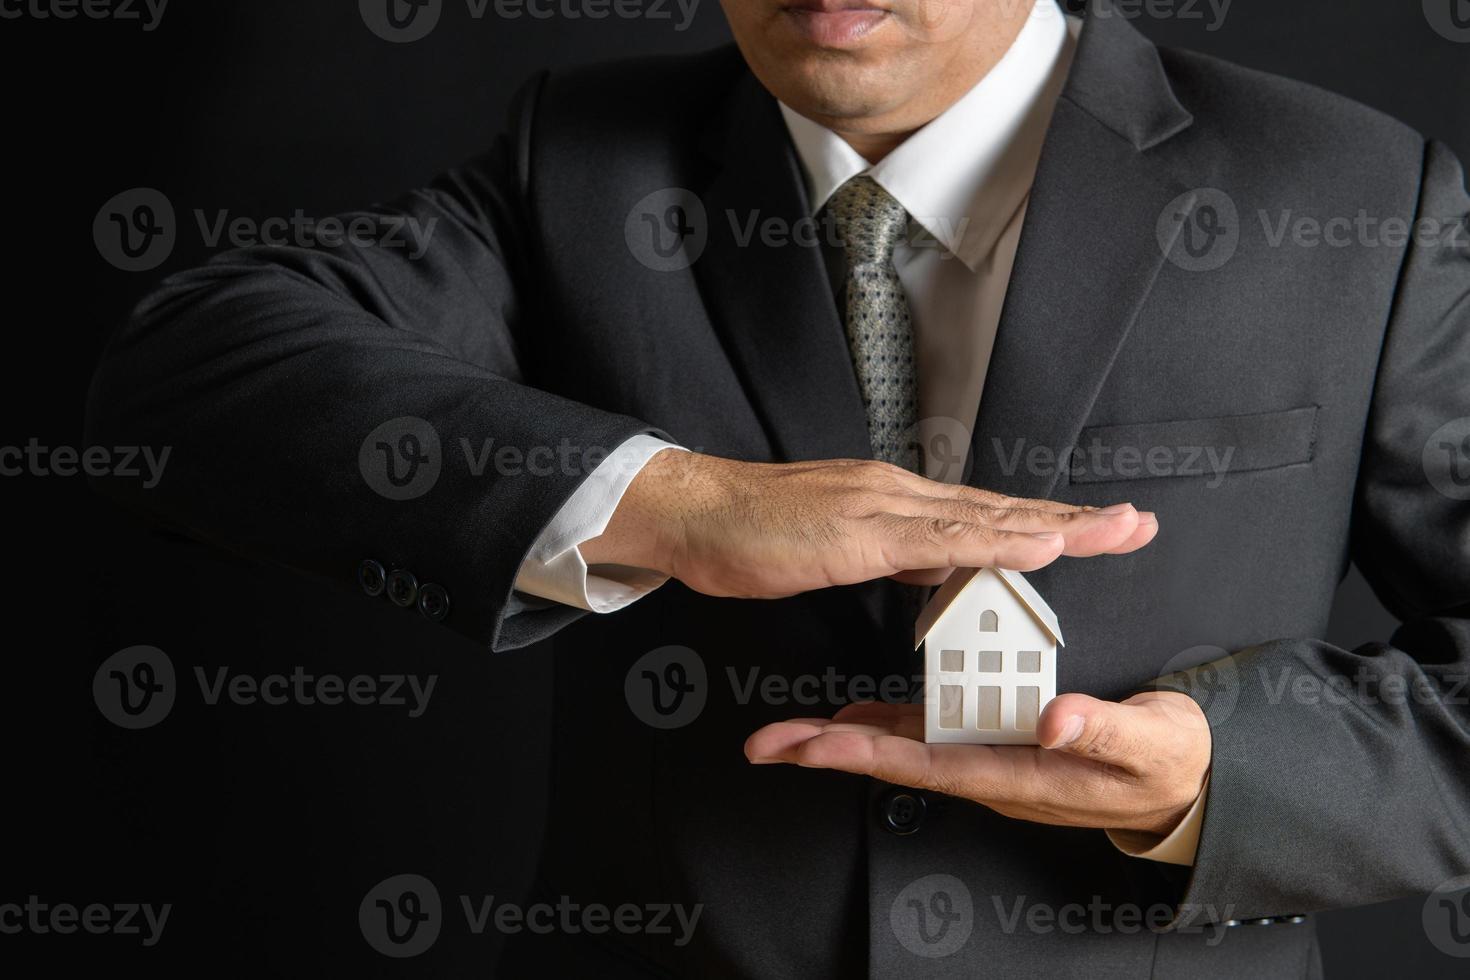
x: 647, y: 530
x: 1186, y: 798
x: 1163, y: 824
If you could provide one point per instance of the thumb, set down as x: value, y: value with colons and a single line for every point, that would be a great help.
x: 1103, y: 731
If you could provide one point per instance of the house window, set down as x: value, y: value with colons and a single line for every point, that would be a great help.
x: 1028, y: 661
x: 1028, y: 708
x: 987, y: 709
x: 989, y: 662
x: 988, y: 621
x: 951, y: 706
x: 952, y: 660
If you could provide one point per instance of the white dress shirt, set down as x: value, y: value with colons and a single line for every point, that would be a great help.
x: 965, y: 179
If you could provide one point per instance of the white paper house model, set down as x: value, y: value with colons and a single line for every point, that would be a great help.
x: 990, y: 658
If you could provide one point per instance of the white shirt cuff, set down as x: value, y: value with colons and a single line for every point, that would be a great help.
x: 1179, y: 847
x: 554, y: 569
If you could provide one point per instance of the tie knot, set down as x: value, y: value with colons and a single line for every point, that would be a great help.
x: 869, y: 219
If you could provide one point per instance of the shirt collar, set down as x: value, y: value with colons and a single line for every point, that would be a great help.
x: 962, y: 176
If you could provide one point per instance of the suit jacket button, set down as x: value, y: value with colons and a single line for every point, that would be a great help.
x: 433, y: 602
x: 371, y: 576
x: 902, y: 811
x: 403, y: 588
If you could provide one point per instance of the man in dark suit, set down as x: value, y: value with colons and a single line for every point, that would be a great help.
x: 890, y: 294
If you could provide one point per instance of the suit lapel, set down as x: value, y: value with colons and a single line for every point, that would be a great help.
x: 772, y: 302
x: 1087, y: 259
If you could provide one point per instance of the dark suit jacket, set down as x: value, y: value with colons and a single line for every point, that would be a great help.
x: 532, y: 320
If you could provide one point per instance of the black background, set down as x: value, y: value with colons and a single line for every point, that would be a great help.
x: 265, y: 826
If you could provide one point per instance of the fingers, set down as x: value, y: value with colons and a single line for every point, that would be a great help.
x: 1086, y: 532
x: 891, y: 758
x: 964, y: 493
x: 931, y: 525
x: 845, y: 746
x: 885, y: 741
x: 983, y: 773
x: 937, y: 542
x: 921, y: 486
x: 1146, y: 531
x: 779, y: 742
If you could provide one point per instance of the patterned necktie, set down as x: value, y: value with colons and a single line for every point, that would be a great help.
x: 880, y: 333
x: 880, y: 337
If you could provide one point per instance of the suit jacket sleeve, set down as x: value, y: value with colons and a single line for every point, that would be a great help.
x: 1339, y: 776
x: 265, y: 371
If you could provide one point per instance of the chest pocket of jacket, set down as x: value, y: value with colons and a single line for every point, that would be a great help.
x: 1213, y: 447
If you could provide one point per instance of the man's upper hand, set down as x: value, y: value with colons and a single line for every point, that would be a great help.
x: 729, y: 528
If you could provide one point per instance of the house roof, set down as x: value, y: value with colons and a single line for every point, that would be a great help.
x: 947, y: 593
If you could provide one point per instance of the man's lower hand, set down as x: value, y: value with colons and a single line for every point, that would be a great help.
x: 1138, y: 765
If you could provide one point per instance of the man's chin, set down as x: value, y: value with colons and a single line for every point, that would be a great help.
x: 844, y: 92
